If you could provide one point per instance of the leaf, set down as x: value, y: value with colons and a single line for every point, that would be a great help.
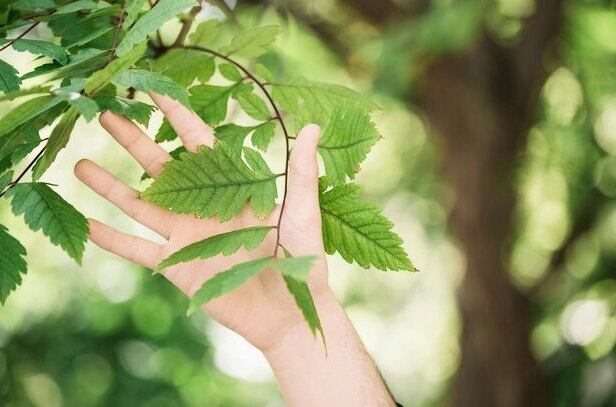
x: 133, y: 7
x: 25, y: 112
x: 317, y: 100
x: 253, y: 105
x: 303, y: 299
x: 46, y: 48
x: 211, y: 102
x: 175, y: 154
x: 345, y: 143
x: 5, y: 180
x: 33, y: 5
x: 225, y: 244
x: 233, y: 135
x: 264, y: 73
x: 230, y: 72
x: 131, y: 109
x: 227, y: 281
x: 165, y: 132
x: 35, y: 90
x: 297, y: 268
x: 184, y: 66
x: 212, y: 182
x: 57, y: 141
x: 101, y: 78
x: 151, y: 21
x: 254, y: 42
x: 9, y: 78
x: 263, y: 135
x: 358, y: 231
x: 205, y: 32
x: 147, y: 81
x: 79, y: 5
x: 45, y: 210
x: 12, y: 263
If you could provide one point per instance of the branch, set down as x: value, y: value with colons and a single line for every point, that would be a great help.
x: 117, y: 34
x: 277, y: 116
x: 24, y: 172
x: 186, y: 24
x: 20, y: 36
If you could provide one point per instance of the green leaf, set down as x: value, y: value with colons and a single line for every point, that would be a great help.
x: 9, y: 78
x: 213, y: 182
x: 264, y: 73
x: 165, y: 132
x: 80, y: 5
x: 230, y: 72
x: 263, y: 135
x: 35, y: 90
x: 210, y: 102
x: 175, y: 154
x: 131, y: 109
x: 133, y: 7
x: 5, y: 180
x: 151, y: 21
x: 225, y: 244
x: 12, y: 263
x: 253, y: 105
x: 315, y: 100
x: 45, y: 210
x: 205, y: 32
x: 147, y: 81
x: 297, y: 268
x: 101, y: 78
x: 46, y: 48
x: 57, y: 141
x: 25, y: 112
x: 253, y: 42
x: 33, y: 5
x: 303, y: 299
x: 227, y: 281
x: 358, y: 231
x: 233, y: 135
x: 345, y: 143
x: 185, y: 65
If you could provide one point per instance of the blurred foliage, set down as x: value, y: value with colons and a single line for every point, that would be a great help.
x: 87, y: 347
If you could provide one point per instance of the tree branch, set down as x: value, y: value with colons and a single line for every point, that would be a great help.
x: 20, y: 36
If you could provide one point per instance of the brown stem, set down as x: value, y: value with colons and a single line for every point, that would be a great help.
x: 20, y: 36
x: 278, y: 116
x: 24, y: 172
x: 186, y: 24
x: 117, y: 34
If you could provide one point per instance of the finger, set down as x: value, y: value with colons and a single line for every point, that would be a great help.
x: 149, y: 154
x: 132, y: 248
x: 303, y: 190
x: 124, y: 197
x: 189, y: 127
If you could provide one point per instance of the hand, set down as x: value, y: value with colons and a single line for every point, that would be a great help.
x: 261, y: 310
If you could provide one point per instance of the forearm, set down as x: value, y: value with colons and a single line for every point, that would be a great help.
x: 346, y: 376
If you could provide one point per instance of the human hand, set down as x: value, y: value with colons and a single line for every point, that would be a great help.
x: 261, y: 310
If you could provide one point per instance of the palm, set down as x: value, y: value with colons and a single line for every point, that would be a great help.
x: 262, y: 306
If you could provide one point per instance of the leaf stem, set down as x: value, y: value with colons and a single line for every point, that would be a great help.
x: 20, y: 36
x: 186, y: 25
x: 24, y: 172
x: 117, y: 34
x: 277, y: 116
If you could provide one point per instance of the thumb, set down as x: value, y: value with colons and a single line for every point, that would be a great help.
x: 303, y: 186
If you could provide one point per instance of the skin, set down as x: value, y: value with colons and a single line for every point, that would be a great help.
x: 262, y: 311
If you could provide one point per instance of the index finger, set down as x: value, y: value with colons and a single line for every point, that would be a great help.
x: 189, y: 127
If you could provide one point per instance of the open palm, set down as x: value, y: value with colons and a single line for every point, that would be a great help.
x: 262, y: 309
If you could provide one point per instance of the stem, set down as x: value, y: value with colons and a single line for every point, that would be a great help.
x: 278, y: 116
x: 24, y: 172
x: 117, y: 34
x: 186, y: 24
x: 20, y: 36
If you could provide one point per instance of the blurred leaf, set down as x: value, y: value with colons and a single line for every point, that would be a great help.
x: 57, y: 141
x: 213, y: 182
x: 5, y: 180
x: 358, y: 231
x: 225, y: 244
x: 9, y: 79
x: 205, y: 32
x: 79, y: 5
x: 230, y: 72
x: 12, y: 263
x: 254, y: 42
x: 25, y: 112
x: 147, y: 81
x: 45, y: 210
x: 133, y: 8
x: 165, y: 10
x: 345, y: 143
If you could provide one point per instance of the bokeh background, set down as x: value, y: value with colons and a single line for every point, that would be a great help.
x: 498, y: 168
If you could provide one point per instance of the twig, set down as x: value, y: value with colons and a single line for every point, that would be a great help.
x: 186, y: 25
x: 278, y: 116
x: 117, y: 34
x: 24, y: 172
x: 20, y: 36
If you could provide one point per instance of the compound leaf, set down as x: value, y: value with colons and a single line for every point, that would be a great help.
x: 345, y: 143
x: 225, y: 244
x: 358, y: 231
x: 12, y: 263
x: 213, y: 182
x: 45, y: 210
x: 151, y: 21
